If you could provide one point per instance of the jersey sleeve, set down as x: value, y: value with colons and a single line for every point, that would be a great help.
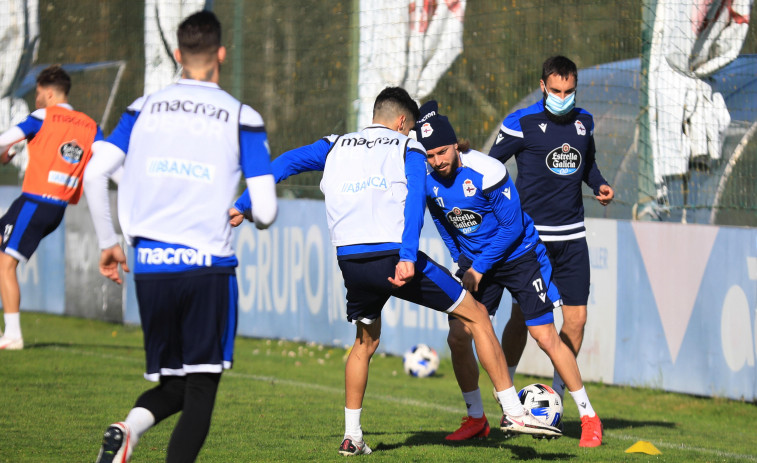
x: 592, y: 176
x: 415, y: 201
x: 254, y: 153
x: 505, y: 203
x: 122, y: 133
x: 33, y: 122
x: 509, y: 140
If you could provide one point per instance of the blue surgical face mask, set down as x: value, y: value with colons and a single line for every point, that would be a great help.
x: 558, y: 106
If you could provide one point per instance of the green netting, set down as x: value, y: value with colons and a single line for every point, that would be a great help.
x: 297, y: 64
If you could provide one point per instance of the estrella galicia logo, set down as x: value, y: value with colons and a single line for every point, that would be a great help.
x: 71, y: 151
x: 464, y: 220
x: 564, y: 160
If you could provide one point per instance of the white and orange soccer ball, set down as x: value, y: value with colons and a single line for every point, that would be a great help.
x: 420, y: 361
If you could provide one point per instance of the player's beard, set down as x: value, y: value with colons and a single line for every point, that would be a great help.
x: 566, y: 118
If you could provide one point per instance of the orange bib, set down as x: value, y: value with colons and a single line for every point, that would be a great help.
x: 58, y: 154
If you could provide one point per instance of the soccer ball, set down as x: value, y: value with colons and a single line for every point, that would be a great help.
x: 545, y: 404
x: 420, y: 361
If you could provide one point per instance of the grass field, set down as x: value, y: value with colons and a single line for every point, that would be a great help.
x: 284, y: 401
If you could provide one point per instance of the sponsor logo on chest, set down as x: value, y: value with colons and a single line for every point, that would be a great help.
x: 564, y: 160
x: 465, y: 220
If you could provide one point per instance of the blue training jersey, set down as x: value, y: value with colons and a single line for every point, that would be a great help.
x: 477, y: 212
x: 553, y: 159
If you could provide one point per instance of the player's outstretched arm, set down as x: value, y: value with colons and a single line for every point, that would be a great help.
x: 110, y: 259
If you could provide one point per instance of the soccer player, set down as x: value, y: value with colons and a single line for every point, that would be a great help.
x: 59, y: 150
x: 476, y: 209
x: 553, y: 144
x: 373, y: 183
x: 182, y: 149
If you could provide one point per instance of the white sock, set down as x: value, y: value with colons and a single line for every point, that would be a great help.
x: 511, y: 370
x: 12, y: 325
x: 139, y: 421
x: 558, y: 384
x: 510, y: 402
x: 582, y: 402
x: 352, y: 424
x: 474, y: 403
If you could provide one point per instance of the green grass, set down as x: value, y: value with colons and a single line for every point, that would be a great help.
x: 284, y: 401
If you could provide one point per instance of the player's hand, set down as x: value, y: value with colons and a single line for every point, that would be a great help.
x: 110, y: 259
x: 606, y: 194
x: 6, y: 157
x: 403, y: 272
x: 471, y: 279
x: 235, y: 217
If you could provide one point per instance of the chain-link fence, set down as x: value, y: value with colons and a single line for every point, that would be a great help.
x: 674, y: 106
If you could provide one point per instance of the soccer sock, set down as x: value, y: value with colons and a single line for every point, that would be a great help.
x: 139, y: 421
x: 352, y: 423
x: 12, y: 325
x: 194, y: 423
x: 511, y: 370
x: 558, y: 385
x: 510, y: 402
x: 582, y: 401
x: 474, y: 403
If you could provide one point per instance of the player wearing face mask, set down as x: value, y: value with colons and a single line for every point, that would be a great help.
x: 553, y: 144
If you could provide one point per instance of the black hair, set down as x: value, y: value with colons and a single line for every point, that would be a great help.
x: 199, y: 33
x: 396, y: 100
x: 559, y: 65
x: 55, y: 76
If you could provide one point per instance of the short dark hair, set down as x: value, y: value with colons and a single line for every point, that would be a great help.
x: 559, y: 65
x: 396, y: 100
x: 55, y: 76
x: 199, y: 33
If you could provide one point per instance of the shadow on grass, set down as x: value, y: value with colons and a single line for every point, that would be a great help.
x: 520, y: 452
x: 71, y: 345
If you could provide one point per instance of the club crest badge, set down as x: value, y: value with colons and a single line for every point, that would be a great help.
x: 580, y: 129
x: 426, y: 130
x: 468, y: 188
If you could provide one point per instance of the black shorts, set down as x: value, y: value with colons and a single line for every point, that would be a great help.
x: 27, y: 221
x: 189, y: 321
x: 528, y: 279
x: 571, y: 269
x: 368, y: 287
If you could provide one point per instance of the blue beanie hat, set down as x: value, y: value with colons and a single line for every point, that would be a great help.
x: 432, y: 129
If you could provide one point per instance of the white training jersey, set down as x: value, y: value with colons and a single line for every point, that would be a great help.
x: 365, y: 185
x: 183, y: 164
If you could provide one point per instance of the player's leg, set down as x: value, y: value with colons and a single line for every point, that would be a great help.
x: 538, y: 296
x: 571, y: 273
x: 514, y: 338
x: 11, y: 297
x: 355, y: 382
x: 367, y: 292
x: 434, y: 287
x: 26, y: 223
x: 465, y: 366
x: 192, y: 428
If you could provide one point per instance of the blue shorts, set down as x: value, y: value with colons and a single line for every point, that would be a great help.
x: 368, y: 288
x: 28, y: 220
x: 572, y: 270
x: 189, y: 321
x: 528, y: 279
